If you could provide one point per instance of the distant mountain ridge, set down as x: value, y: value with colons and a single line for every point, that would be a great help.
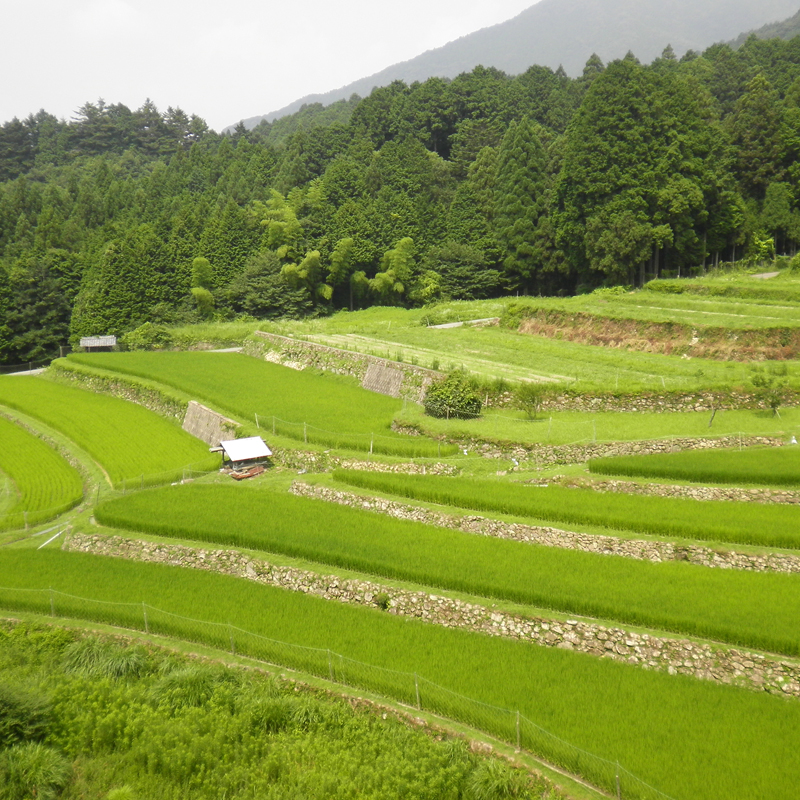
x: 565, y: 33
x: 786, y: 29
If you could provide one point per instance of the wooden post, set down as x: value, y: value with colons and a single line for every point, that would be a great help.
x: 257, y: 425
x: 144, y: 612
x: 416, y: 688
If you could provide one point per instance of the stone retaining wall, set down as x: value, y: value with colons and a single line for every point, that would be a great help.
x: 730, y: 493
x: 207, y: 425
x: 641, y: 550
x: 676, y: 656
x: 125, y: 389
x: 374, y: 373
x: 538, y: 456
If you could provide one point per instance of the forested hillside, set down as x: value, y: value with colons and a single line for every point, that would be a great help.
x: 474, y: 187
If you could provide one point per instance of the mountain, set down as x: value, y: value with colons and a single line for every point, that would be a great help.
x: 566, y: 33
x: 787, y: 29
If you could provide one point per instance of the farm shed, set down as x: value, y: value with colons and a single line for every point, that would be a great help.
x: 243, y: 451
x: 98, y: 343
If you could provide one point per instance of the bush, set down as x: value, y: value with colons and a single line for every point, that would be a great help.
x: 528, y: 398
x: 452, y: 397
x: 23, y: 716
x: 147, y: 337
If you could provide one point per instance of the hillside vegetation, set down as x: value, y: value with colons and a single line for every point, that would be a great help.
x: 478, y: 187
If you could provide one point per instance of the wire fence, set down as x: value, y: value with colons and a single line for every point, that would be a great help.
x: 29, y: 366
x: 412, y: 689
x: 178, y: 475
x: 410, y: 447
x: 557, y: 433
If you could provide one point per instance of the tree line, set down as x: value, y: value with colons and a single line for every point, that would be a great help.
x: 486, y: 184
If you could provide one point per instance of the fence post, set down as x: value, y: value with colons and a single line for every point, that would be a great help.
x: 233, y: 646
x: 330, y: 666
x: 146, y: 625
x: 416, y: 689
x: 518, y: 736
x: 257, y: 425
x: 52, y: 604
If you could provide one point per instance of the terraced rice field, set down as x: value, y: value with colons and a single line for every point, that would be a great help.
x: 40, y: 483
x: 775, y: 466
x: 756, y: 610
x: 325, y: 409
x: 694, y: 740
x: 720, y: 521
x: 129, y: 442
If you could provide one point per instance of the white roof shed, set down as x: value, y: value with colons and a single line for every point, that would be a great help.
x: 246, y: 449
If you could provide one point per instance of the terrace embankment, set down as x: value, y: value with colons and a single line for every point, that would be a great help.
x: 694, y: 492
x: 393, y: 378
x: 125, y: 388
x: 668, y: 338
x: 676, y: 656
x: 641, y: 550
x: 541, y: 455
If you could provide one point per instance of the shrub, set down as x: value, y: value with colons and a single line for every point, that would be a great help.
x: 147, y: 337
x: 528, y: 398
x: 23, y: 716
x: 452, y: 397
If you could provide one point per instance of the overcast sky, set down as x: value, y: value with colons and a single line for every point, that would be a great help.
x: 224, y: 60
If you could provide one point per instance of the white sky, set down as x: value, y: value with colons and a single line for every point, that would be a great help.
x: 225, y: 60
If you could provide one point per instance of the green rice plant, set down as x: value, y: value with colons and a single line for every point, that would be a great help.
x: 43, y: 484
x: 691, y: 739
x: 775, y: 466
x: 716, y: 521
x: 759, y: 610
x: 129, y: 442
x: 323, y: 409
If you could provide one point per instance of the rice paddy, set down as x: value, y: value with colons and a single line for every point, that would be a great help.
x: 129, y: 442
x: 37, y: 482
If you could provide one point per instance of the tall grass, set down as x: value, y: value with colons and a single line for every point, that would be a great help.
x: 324, y: 409
x: 43, y: 485
x: 760, y: 610
x: 772, y: 466
x: 693, y: 740
x: 740, y: 523
x: 126, y: 440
